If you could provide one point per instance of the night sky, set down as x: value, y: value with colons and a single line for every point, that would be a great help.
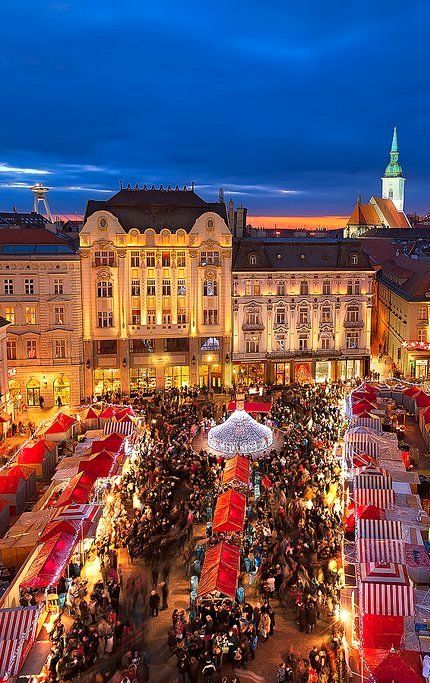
x: 288, y: 105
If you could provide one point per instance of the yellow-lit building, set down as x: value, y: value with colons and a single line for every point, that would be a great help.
x: 40, y: 287
x: 301, y: 310
x: 156, y: 292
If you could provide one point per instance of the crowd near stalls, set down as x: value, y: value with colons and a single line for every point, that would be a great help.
x: 273, y: 537
x: 46, y: 553
x: 387, y: 535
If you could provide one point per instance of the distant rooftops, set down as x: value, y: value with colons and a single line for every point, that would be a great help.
x: 156, y: 208
x: 404, y: 267
x: 22, y: 220
x: 29, y: 241
x: 378, y: 212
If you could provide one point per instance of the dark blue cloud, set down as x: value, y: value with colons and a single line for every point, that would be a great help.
x: 257, y: 97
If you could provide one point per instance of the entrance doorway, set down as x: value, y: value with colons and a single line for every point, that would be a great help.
x: 33, y: 392
x: 61, y: 391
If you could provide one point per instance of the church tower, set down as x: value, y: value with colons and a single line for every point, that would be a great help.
x: 393, y: 182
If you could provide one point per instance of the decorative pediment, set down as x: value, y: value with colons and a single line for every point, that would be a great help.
x: 104, y: 274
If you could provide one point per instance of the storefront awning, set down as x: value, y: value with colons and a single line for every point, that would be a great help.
x: 229, y: 512
x: 17, y: 632
x: 53, y: 558
x: 237, y: 469
x: 375, y: 550
x: 381, y: 498
x: 125, y: 428
x: 390, y: 599
x: 220, y: 571
x: 380, y: 528
x: 372, y: 481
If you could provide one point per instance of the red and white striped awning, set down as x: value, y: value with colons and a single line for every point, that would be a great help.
x: 374, y: 550
x: 379, y: 528
x: 382, y: 498
x: 113, y: 427
x: 372, y: 481
x: 388, y: 599
x: 384, y: 572
x: 17, y: 631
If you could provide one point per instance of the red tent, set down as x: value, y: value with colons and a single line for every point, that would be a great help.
x: 29, y: 476
x: 89, y: 413
x: 107, y: 413
x: 363, y: 512
x: 403, y: 666
x: 237, y: 470
x: 362, y: 406
x: 425, y: 415
x: 411, y: 391
x: 124, y: 414
x: 363, y: 459
x: 97, y: 465
x: 382, y: 631
x: 41, y: 455
x: 357, y: 396
x: 59, y: 430
x: 252, y: 406
x: 220, y: 570
x: 50, y: 563
x: 371, y: 388
x: 78, y: 490
x: 60, y: 528
x: 421, y: 399
x: 13, y: 490
x: 229, y: 512
x: 111, y: 443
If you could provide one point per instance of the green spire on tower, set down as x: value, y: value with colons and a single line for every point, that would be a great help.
x: 394, y: 170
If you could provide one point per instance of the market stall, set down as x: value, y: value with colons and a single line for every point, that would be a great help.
x: 391, y: 666
x: 61, y: 429
x: 17, y: 631
x: 23, y: 536
x: 41, y: 455
x: 229, y: 512
x: 78, y: 490
x: 13, y: 490
x: 220, y: 571
x: 237, y: 472
x: 392, y: 599
x: 51, y: 561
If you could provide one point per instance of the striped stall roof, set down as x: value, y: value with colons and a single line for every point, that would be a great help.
x: 113, y: 427
x: 382, y: 498
x: 386, y: 572
x: 389, y: 599
x: 17, y: 630
x: 380, y: 528
x: 372, y: 481
x: 375, y: 550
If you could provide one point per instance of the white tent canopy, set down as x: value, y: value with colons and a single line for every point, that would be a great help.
x: 240, y: 433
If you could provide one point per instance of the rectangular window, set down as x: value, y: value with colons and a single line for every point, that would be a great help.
x: 422, y: 313
x: 256, y: 290
x: 352, y: 340
x: 304, y: 288
x: 357, y: 287
x: 30, y: 348
x: 59, y: 348
x: 209, y: 258
x: 29, y: 285
x: 326, y: 288
x: 303, y: 316
x: 252, y: 346
x: 150, y: 259
x: 349, y: 287
x: 326, y: 314
x: 104, y: 289
x: 166, y: 288
x: 280, y: 316
x: 107, y: 347
x: 167, y: 317
x: 210, y: 288
x: 105, y: 319
x: 182, y: 287
x: 422, y: 335
x: 210, y: 316
x: 135, y: 316
x: 135, y: 288
x: 58, y: 315
x: 280, y: 288
x: 281, y: 343
x: 8, y: 286
x: 30, y: 315
x: 150, y: 287
x: 325, y: 343
x: 248, y: 287
x: 165, y: 259
x: 176, y: 345
x: 180, y: 259
x: 182, y: 316
x: 58, y: 286
x: 141, y: 346
x: 252, y: 318
x: 9, y: 314
x: 135, y: 259
x: 303, y: 342
x: 104, y: 258
x: 150, y: 317
x: 11, y: 350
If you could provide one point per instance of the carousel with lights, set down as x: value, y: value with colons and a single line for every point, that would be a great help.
x: 240, y: 433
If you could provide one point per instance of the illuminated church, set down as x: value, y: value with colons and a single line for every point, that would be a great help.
x: 385, y: 211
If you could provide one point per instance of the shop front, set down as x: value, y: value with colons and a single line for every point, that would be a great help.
x: 61, y: 387
x: 106, y: 380
x: 176, y: 376
x: 248, y: 374
x: 33, y: 392
x: 323, y: 371
x: 282, y: 375
x: 419, y: 368
x: 143, y: 379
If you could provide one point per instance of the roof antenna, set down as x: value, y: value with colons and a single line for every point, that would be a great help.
x: 120, y: 184
x: 193, y: 186
x: 359, y: 199
x: 221, y: 195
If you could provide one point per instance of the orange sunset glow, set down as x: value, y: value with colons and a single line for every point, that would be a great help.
x: 309, y: 222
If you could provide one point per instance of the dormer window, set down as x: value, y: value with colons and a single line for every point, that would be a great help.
x: 252, y: 260
x: 354, y: 259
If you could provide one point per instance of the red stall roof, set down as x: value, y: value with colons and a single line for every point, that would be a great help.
x: 78, y: 490
x: 107, y: 413
x: 422, y: 399
x: 111, y: 443
x: 34, y: 453
x: 124, y: 414
x: 252, y: 406
x: 97, y: 465
x: 51, y: 562
x: 411, y: 391
x: 89, y: 413
x: 403, y: 666
x: 237, y: 469
x: 10, y: 483
x: 382, y: 631
x: 220, y: 570
x: 229, y: 512
x: 62, y: 423
x: 363, y: 406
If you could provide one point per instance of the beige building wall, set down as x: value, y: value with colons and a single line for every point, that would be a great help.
x: 41, y: 297
x: 147, y: 320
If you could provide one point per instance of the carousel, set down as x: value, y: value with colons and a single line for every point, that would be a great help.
x: 240, y: 433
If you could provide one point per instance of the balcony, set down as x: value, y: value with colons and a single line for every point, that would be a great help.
x: 252, y: 327
x: 308, y: 353
x: 353, y: 324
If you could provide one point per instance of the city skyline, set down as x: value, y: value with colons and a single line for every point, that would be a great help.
x: 237, y: 99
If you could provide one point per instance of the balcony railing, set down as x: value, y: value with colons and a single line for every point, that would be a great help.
x: 252, y: 327
x: 353, y: 324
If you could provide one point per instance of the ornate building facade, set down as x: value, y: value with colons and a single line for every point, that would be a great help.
x: 301, y: 310
x: 40, y: 296
x: 156, y: 288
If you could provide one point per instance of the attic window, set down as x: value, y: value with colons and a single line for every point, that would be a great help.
x: 354, y: 259
x: 210, y: 223
x: 252, y: 259
x: 102, y: 222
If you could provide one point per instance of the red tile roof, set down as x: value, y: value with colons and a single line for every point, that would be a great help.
x: 364, y: 214
x: 393, y: 217
x: 28, y: 236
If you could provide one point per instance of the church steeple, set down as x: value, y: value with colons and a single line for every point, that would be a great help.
x: 394, y: 170
x: 393, y: 182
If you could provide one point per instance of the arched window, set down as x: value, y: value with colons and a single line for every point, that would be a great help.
x: 354, y: 259
x: 252, y: 260
x: 33, y: 392
x: 390, y: 193
x: 61, y: 391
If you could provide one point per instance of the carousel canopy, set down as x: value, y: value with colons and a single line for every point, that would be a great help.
x: 240, y: 433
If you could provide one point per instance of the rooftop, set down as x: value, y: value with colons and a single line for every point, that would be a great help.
x: 404, y: 267
x: 22, y: 220
x: 31, y: 241
x: 156, y: 208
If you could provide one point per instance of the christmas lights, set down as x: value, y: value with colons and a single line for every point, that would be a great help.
x: 240, y: 433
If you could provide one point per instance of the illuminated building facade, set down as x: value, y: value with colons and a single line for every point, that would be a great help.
x: 402, y: 305
x: 6, y: 407
x: 301, y: 310
x: 40, y: 296
x: 156, y: 289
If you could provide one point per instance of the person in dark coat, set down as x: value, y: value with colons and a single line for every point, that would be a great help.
x: 154, y: 603
x: 164, y: 594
